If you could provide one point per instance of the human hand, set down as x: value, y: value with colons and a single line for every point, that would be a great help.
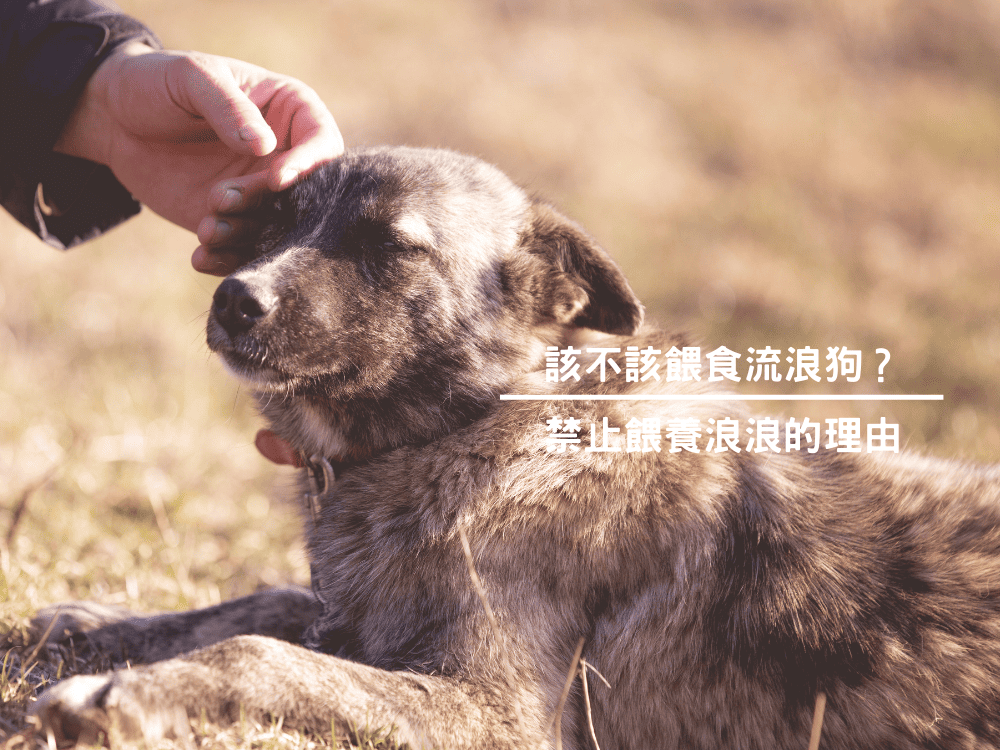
x: 200, y: 139
x: 277, y: 449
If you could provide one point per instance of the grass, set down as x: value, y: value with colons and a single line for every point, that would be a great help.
x: 768, y: 172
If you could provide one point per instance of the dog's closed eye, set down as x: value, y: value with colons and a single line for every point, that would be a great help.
x: 411, y: 230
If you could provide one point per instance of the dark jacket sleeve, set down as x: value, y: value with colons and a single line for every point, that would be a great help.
x: 48, y: 50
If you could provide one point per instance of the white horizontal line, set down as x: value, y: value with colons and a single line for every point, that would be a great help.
x: 722, y: 397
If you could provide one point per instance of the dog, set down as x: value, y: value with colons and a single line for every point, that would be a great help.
x: 396, y: 295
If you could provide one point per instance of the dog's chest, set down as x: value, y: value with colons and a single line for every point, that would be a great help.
x: 387, y: 564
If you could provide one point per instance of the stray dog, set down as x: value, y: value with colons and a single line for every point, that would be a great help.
x: 396, y: 295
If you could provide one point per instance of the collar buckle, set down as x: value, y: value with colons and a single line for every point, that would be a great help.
x: 322, y: 477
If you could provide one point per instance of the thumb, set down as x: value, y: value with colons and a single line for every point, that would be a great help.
x: 205, y: 87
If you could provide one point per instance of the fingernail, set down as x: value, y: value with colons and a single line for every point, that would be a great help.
x: 248, y: 134
x: 289, y: 176
x: 231, y: 199
x: 221, y: 231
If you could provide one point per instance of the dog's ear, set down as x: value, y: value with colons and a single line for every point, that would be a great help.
x: 583, y: 285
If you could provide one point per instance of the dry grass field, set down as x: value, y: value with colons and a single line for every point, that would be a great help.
x: 781, y: 173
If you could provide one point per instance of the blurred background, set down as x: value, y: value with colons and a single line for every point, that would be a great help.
x: 781, y: 173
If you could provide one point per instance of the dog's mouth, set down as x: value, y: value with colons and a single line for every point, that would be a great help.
x: 248, y: 354
x: 257, y: 361
x: 250, y: 359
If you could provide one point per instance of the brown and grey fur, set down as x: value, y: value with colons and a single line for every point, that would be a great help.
x: 397, y: 295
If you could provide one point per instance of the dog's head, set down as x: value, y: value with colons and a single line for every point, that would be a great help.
x: 398, y: 291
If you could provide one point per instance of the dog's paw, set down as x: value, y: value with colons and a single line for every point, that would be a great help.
x: 109, y: 709
x: 70, y: 711
x: 88, y: 631
x: 61, y: 621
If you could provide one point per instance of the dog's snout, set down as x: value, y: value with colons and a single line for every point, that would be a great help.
x: 238, y: 306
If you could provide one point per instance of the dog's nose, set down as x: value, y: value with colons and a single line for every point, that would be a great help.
x: 239, y: 306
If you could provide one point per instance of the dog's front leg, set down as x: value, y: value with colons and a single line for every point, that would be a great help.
x: 123, y: 636
x: 265, y: 679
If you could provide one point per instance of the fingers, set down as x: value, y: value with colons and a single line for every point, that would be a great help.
x: 231, y: 203
x: 278, y: 119
x: 304, y: 125
x: 307, y: 137
x: 301, y: 160
x: 306, y: 131
x: 216, y: 261
x: 238, y: 195
x: 227, y: 230
x: 232, y: 96
x: 204, y: 86
x: 227, y: 244
x: 228, y: 233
